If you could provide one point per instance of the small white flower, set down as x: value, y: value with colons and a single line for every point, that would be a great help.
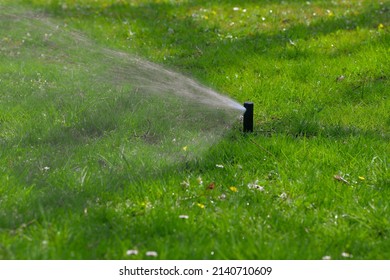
x: 131, y: 252
x: 292, y: 43
x: 151, y: 254
x: 283, y: 196
x: 259, y: 188
x: 236, y: 9
x: 131, y: 33
x: 326, y: 258
x: 183, y: 217
x: 219, y: 165
x: 256, y: 186
x: 346, y: 255
x: 185, y: 183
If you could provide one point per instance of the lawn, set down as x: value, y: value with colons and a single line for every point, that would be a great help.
x: 92, y: 168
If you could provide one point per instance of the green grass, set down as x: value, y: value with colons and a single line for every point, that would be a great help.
x: 318, y: 74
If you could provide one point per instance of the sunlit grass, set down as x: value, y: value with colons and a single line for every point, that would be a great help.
x: 311, y: 182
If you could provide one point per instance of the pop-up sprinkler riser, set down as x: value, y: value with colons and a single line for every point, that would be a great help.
x: 248, y: 117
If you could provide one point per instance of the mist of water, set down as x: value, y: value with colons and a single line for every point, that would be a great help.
x: 160, y: 80
x: 95, y: 91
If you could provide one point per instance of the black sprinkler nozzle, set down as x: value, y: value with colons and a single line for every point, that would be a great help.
x: 248, y: 117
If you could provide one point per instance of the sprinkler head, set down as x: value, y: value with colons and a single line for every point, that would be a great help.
x: 248, y: 117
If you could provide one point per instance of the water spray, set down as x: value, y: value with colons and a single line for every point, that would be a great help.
x: 159, y: 110
x: 248, y: 117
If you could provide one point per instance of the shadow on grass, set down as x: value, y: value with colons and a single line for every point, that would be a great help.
x: 306, y: 123
x: 302, y: 126
x: 156, y: 19
x: 161, y: 29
